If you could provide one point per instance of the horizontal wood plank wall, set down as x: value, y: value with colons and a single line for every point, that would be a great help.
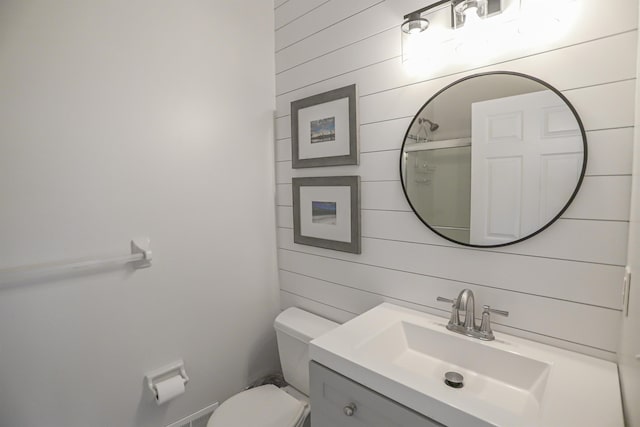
x: 562, y: 287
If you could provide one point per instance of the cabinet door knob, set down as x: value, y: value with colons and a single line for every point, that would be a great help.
x: 350, y: 409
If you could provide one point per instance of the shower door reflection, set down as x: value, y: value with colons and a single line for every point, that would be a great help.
x: 439, y: 180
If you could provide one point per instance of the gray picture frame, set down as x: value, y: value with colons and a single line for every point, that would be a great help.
x: 351, y: 93
x: 353, y: 182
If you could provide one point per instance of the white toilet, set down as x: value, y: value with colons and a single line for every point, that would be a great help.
x: 268, y: 405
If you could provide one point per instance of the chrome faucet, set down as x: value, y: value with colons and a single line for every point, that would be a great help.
x: 466, y: 303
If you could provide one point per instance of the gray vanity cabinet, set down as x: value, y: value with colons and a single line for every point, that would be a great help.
x: 336, y: 401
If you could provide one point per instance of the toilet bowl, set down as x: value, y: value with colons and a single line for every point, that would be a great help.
x: 268, y: 405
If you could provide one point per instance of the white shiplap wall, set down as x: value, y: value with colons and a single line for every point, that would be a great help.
x: 562, y: 286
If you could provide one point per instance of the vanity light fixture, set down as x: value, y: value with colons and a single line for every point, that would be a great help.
x: 474, y: 32
x: 414, y: 23
x: 462, y: 11
x: 468, y: 11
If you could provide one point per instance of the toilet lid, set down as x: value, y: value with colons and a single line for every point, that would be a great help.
x: 265, y: 406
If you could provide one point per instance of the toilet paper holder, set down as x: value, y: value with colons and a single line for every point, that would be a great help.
x: 168, y: 371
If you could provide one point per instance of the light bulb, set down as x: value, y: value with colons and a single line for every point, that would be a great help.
x: 471, y: 16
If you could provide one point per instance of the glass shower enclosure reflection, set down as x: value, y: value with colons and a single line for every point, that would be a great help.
x: 438, y: 177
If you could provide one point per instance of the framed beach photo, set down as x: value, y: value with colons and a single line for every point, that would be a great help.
x: 326, y: 212
x: 324, y: 129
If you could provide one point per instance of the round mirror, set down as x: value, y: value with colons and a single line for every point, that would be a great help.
x: 493, y: 159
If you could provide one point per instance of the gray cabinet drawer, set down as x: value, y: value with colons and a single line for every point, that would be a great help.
x: 331, y: 393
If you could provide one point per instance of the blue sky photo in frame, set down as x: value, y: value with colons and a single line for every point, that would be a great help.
x: 323, y: 130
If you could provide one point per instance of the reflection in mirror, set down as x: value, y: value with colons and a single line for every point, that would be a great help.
x: 493, y: 159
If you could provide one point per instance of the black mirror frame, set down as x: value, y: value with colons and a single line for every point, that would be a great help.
x: 573, y: 195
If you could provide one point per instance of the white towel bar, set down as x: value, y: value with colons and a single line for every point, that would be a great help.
x: 140, y: 257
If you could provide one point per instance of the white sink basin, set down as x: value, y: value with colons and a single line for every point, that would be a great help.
x: 494, y: 376
x: 404, y: 355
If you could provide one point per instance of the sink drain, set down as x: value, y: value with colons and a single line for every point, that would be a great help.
x: 453, y: 379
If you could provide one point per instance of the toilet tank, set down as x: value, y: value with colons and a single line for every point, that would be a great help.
x: 295, y: 328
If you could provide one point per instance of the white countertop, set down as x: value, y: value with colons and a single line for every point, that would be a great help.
x: 579, y: 390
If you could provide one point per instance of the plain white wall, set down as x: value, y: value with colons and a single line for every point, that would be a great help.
x: 629, y: 353
x: 122, y: 118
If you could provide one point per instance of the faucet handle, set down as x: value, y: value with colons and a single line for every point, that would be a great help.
x: 493, y: 310
x: 455, y: 317
x: 485, y: 326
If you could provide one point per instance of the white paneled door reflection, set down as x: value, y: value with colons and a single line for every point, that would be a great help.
x: 526, y: 159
